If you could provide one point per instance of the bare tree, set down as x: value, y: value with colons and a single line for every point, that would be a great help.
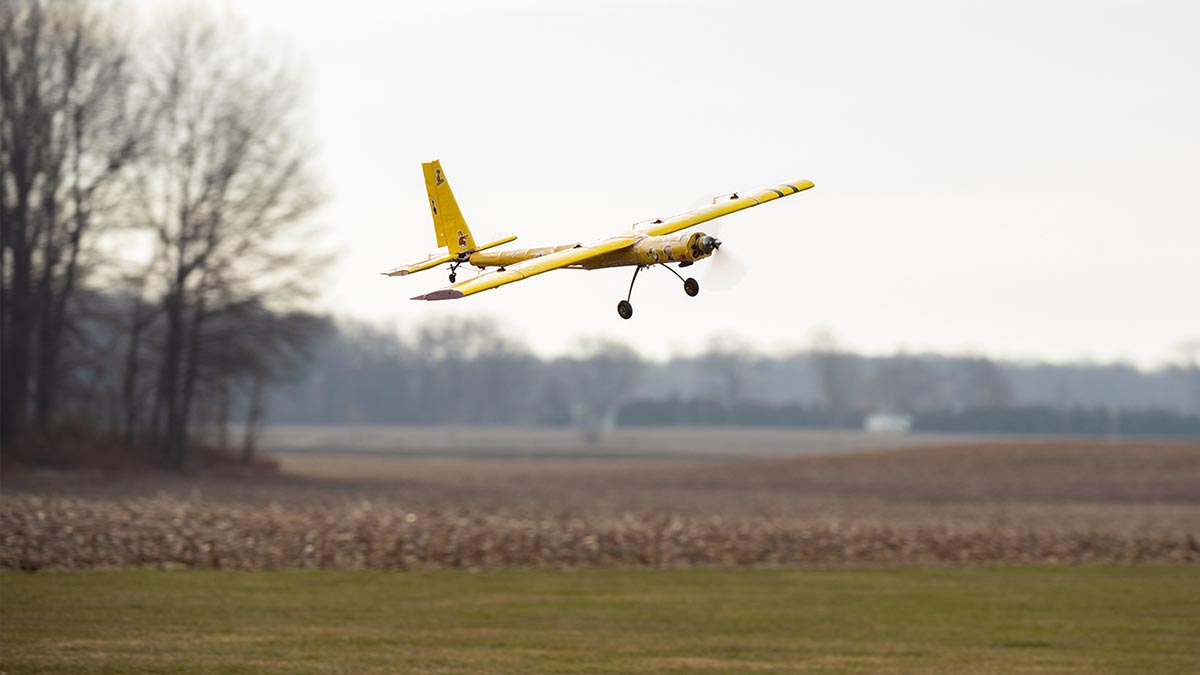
x: 67, y: 132
x: 139, y: 319
x: 225, y: 185
x: 248, y: 344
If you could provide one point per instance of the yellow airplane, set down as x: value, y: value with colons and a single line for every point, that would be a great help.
x: 645, y: 246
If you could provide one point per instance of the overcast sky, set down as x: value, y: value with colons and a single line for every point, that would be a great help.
x: 1017, y: 179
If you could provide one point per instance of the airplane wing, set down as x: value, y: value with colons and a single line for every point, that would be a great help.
x: 528, y: 268
x: 722, y: 207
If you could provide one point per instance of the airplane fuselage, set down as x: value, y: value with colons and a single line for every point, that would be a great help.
x: 647, y: 250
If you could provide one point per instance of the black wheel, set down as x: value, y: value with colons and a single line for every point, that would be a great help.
x: 453, y: 276
x: 691, y: 287
x: 624, y: 309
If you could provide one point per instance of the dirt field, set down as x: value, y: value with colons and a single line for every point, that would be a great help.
x: 1120, y: 487
x: 1060, y: 501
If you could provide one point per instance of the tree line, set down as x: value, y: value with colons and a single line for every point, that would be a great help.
x: 153, y: 178
x: 473, y: 372
x: 456, y: 371
x: 1013, y: 419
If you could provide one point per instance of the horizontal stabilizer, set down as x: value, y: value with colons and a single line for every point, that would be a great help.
x: 448, y: 258
x: 417, y: 267
x: 494, y: 244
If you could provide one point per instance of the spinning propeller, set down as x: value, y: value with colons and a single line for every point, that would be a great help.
x: 725, y: 269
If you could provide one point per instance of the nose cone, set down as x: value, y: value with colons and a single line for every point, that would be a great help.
x: 710, y: 244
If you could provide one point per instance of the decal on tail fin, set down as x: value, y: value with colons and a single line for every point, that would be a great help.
x: 448, y: 223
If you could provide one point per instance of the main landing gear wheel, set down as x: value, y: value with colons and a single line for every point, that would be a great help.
x: 453, y: 276
x: 623, y: 307
x: 691, y: 287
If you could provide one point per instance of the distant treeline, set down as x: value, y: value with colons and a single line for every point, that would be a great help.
x: 1025, y: 419
x: 472, y: 372
x: 453, y: 372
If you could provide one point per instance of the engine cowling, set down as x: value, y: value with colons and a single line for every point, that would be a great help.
x: 680, y: 248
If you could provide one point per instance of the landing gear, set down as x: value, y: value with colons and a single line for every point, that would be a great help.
x: 690, y: 285
x: 624, y: 308
x: 462, y: 258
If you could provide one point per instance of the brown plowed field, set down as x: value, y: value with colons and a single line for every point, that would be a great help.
x: 982, y: 502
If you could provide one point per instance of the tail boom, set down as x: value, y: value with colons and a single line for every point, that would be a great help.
x: 462, y: 256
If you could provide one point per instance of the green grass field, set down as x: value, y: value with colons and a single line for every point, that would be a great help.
x: 1135, y: 619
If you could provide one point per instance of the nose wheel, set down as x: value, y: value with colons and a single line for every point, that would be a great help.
x: 690, y: 285
x: 625, y: 308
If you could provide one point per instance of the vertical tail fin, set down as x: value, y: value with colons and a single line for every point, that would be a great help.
x: 448, y: 222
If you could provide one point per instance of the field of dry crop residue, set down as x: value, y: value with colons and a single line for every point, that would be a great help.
x: 979, y: 502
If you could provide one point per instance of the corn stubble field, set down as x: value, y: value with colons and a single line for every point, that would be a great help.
x: 987, y: 502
